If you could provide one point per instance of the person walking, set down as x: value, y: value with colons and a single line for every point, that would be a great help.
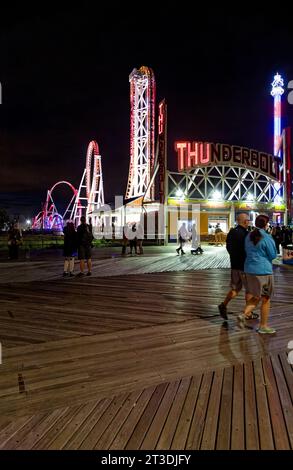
x: 133, y: 239
x: 260, y: 251
x: 235, y: 245
x: 140, y: 237
x: 84, y: 243
x: 277, y: 236
x: 124, y: 239
x: 182, y: 238
x: 195, y: 245
x: 218, y: 235
x: 287, y: 239
x: 14, y: 241
x: 70, y: 248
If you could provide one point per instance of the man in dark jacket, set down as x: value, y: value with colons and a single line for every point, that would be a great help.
x: 235, y: 246
x: 84, y: 242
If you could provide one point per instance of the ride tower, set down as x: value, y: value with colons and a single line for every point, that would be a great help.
x: 142, y: 134
x: 276, y: 92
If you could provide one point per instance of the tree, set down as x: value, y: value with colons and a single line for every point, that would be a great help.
x: 4, y: 219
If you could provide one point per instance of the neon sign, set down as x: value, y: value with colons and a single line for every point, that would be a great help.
x: 161, y: 120
x: 197, y: 154
x: 162, y: 154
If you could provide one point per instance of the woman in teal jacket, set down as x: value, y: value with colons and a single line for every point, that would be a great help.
x: 260, y: 251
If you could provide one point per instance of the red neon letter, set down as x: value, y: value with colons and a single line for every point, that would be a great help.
x: 204, y: 155
x: 179, y: 147
x: 161, y: 118
x: 192, y: 155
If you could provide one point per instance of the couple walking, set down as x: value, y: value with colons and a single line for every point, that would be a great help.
x: 184, y: 235
x: 80, y: 242
x: 251, y: 256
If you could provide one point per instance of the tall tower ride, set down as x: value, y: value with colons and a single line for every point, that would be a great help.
x: 276, y: 92
x: 142, y: 134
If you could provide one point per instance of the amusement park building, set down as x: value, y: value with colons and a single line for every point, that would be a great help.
x: 225, y: 180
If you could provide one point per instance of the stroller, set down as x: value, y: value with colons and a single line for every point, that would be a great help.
x: 196, y: 251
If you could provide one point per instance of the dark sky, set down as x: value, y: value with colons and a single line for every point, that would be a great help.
x: 64, y: 78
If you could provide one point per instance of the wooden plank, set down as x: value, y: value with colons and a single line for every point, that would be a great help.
x: 125, y: 433
x: 212, y: 417
x: 264, y: 423
x: 4, y: 422
x: 284, y: 394
x: 72, y: 427
x: 185, y: 420
x: 17, y: 438
x: 237, y: 432
x: 169, y: 428
x: 109, y: 434
x: 56, y: 428
x: 198, y: 421
x: 276, y: 412
x: 36, y: 434
x: 13, y: 428
x: 154, y: 431
x: 80, y: 435
x: 101, y: 425
x: 288, y: 372
x: 146, y: 418
x: 225, y: 414
x: 251, y: 419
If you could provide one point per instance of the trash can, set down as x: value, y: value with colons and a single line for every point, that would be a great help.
x: 288, y: 254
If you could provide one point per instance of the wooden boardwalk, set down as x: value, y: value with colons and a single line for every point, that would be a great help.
x: 141, y: 362
x: 113, y: 264
x: 245, y: 406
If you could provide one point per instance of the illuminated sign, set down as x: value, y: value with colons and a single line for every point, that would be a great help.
x: 162, y: 155
x: 161, y: 120
x: 198, y: 154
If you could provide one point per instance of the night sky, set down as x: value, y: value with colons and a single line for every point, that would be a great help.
x: 64, y: 78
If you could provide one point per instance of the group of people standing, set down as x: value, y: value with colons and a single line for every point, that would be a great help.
x: 281, y: 235
x: 133, y: 235
x: 78, y: 242
x: 251, y: 255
